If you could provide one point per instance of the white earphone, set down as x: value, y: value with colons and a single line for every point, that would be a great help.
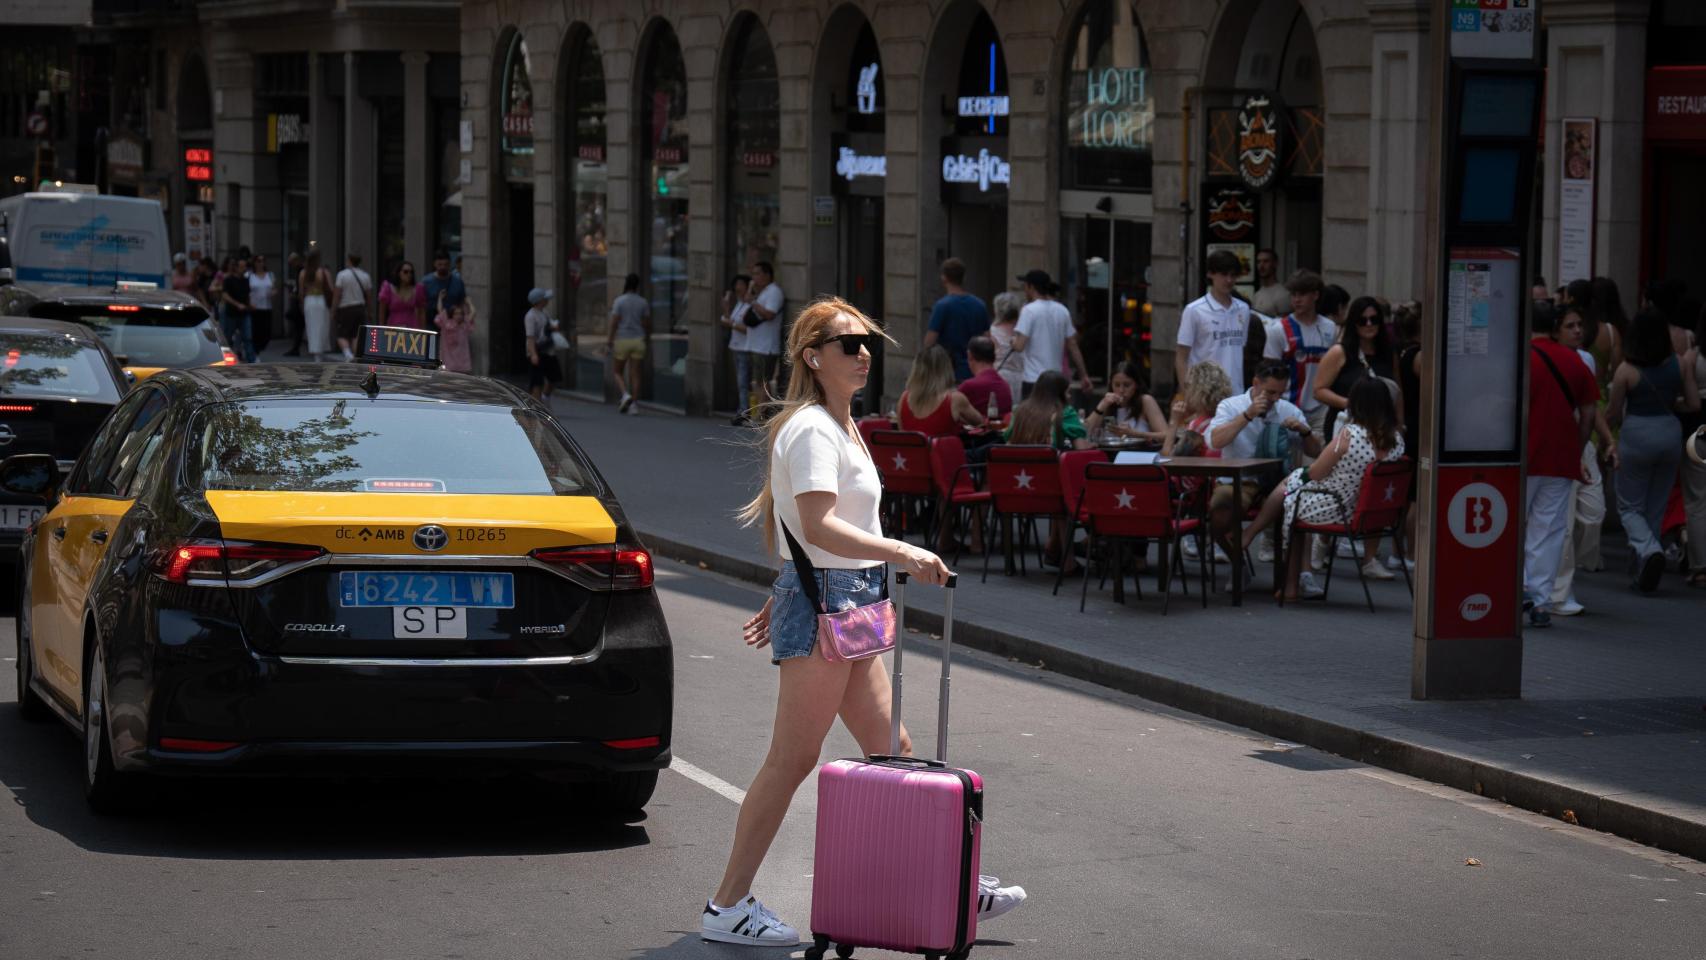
x: 813, y: 362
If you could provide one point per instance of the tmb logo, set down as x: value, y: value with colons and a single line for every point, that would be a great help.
x: 1475, y: 606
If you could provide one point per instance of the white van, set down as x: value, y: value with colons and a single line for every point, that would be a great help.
x: 88, y: 240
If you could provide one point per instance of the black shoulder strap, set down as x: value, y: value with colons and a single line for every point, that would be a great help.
x: 803, y: 567
x: 1569, y: 395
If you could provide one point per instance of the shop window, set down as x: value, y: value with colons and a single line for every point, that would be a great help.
x: 664, y: 225
x: 586, y: 246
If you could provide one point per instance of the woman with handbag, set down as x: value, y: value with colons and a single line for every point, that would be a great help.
x: 818, y: 508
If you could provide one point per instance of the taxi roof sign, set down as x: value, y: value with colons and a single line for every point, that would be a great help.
x: 400, y: 345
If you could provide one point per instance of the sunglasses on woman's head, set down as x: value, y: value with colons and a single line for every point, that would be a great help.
x: 851, y: 343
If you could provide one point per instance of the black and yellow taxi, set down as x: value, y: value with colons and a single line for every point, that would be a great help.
x: 149, y: 330
x: 345, y: 569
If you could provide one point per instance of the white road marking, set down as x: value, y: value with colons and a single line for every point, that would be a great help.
x: 709, y: 781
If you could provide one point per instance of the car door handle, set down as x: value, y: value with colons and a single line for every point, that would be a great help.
x: 99, y: 536
x: 59, y: 533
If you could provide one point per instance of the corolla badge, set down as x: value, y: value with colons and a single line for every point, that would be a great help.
x: 431, y: 537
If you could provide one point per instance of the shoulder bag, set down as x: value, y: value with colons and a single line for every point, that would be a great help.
x: 856, y: 634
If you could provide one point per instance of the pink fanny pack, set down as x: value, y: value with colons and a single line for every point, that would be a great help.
x: 855, y: 634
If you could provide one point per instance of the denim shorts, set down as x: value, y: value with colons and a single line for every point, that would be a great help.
x: 793, y: 621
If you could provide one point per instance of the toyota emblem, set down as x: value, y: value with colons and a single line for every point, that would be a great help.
x: 6, y: 435
x: 431, y: 537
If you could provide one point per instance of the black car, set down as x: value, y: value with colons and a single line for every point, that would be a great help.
x: 148, y: 330
x: 313, y: 568
x: 58, y: 382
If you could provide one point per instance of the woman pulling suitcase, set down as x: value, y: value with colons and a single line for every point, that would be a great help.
x: 821, y: 487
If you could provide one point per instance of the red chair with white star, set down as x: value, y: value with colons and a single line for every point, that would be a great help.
x: 1123, y: 502
x: 1072, y: 466
x: 1023, y: 482
x: 903, y: 462
x: 961, y: 503
x: 1381, y: 504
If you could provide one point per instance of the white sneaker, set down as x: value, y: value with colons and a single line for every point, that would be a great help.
x: 1317, y: 553
x: 627, y: 401
x: 1220, y: 555
x: 751, y: 923
x: 1375, y: 570
x: 348, y: 355
x: 1393, y: 562
x: 1307, y: 588
x: 1264, y: 550
x: 1348, y: 550
x: 1569, y: 608
x: 993, y: 899
x: 1190, y: 548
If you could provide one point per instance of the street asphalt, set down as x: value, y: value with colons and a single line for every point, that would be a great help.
x: 1139, y: 831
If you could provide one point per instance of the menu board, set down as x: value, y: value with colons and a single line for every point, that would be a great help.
x: 1483, y: 342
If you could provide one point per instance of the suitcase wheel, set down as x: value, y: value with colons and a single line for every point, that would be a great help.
x: 819, y: 947
x: 844, y: 950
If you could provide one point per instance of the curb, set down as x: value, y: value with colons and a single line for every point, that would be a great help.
x: 1608, y: 814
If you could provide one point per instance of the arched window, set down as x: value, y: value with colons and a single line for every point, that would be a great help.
x: 517, y: 102
x: 1109, y: 101
x: 754, y: 138
x: 584, y: 143
x: 664, y: 221
x: 983, y: 105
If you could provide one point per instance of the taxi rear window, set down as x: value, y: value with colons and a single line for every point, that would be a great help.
x: 145, y: 336
x: 381, y: 446
x: 54, y: 366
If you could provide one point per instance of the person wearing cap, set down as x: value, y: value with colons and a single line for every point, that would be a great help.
x: 544, y: 371
x: 1045, y: 334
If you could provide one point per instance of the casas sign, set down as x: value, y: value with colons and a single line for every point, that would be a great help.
x: 1258, y: 142
x: 1231, y: 214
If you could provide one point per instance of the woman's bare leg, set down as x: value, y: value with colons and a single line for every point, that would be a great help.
x: 866, y: 708
x: 1265, y: 517
x: 812, y: 690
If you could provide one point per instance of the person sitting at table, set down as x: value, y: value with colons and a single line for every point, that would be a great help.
x: 1127, y: 411
x: 985, y: 382
x: 1205, y: 386
x: 1045, y: 417
x: 1327, y: 490
x: 1258, y: 424
x: 930, y: 404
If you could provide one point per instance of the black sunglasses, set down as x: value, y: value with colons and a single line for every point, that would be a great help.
x: 851, y: 343
x: 1369, y: 320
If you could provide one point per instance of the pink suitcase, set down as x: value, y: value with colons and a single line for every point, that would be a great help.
x: 898, y: 840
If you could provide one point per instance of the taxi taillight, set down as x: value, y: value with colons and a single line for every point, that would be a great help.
x: 601, y: 568
x: 227, y: 358
x: 214, y: 560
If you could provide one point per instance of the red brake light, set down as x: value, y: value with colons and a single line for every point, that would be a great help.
x: 638, y: 743
x: 17, y: 408
x: 227, y: 358
x: 123, y: 307
x: 189, y: 745
x: 212, y: 560
x: 12, y: 358
x: 601, y: 568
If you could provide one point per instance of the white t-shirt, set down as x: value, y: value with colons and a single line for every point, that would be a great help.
x: 1213, y: 332
x: 1233, y: 407
x: 353, y: 284
x: 767, y: 336
x: 737, y: 337
x: 812, y: 454
x: 260, y: 290
x: 1045, y: 324
x: 1313, y: 342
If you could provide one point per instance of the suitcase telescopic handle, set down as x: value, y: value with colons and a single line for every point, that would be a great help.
x: 901, y: 579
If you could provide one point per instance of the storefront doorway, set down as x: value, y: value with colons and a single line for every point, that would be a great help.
x: 512, y: 253
x: 753, y: 207
x: 860, y: 278
x: 663, y: 225
x: 852, y: 133
x: 1674, y: 180
x: 974, y: 170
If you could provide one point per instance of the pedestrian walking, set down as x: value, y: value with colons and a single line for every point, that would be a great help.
x: 1585, y: 509
x: 1304, y: 337
x: 545, y: 370
x: 456, y: 328
x: 1562, y: 398
x: 262, y: 286
x: 234, y: 300
x: 442, y: 280
x: 1272, y: 299
x: 766, y: 300
x: 351, y: 291
x: 402, y: 301
x: 293, y: 303
x: 733, y: 319
x: 1216, y: 325
x: 630, y: 330
x: 956, y: 318
x: 317, y: 294
x: 1646, y: 392
x: 1044, y: 334
x: 821, y: 489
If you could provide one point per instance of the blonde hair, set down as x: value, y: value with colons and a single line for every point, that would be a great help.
x: 1205, y: 386
x: 810, y: 328
x: 931, y: 379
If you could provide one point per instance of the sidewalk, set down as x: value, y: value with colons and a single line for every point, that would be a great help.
x: 1611, y: 728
